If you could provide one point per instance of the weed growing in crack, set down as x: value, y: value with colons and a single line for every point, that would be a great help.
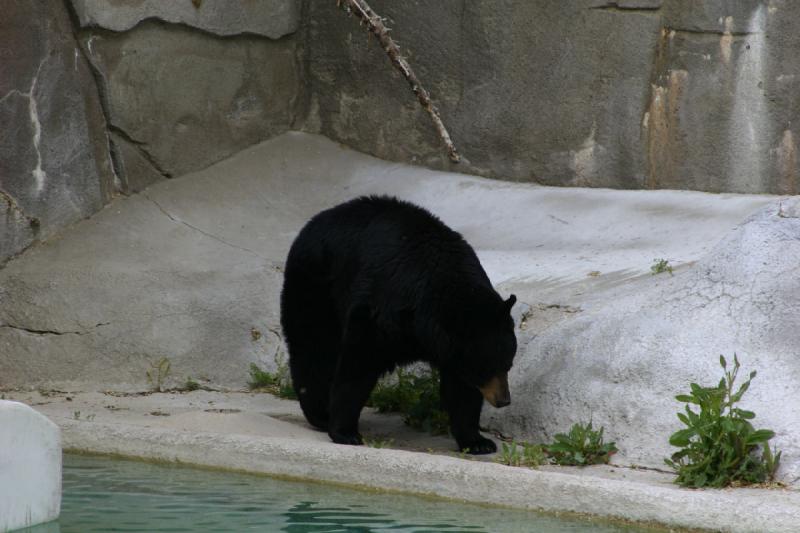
x: 278, y: 383
x: 660, y: 266
x: 522, y: 454
x: 158, y: 373
x: 719, y: 446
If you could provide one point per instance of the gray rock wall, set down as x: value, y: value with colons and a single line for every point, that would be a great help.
x: 186, y: 84
x: 54, y: 163
x: 99, y: 97
x: 627, y: 94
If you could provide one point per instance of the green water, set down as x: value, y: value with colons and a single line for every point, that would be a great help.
x: 111, y: 495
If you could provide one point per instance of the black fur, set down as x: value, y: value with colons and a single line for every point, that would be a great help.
x: 378, y: 282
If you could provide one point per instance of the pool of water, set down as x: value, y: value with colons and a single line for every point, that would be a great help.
x: 107, y: 495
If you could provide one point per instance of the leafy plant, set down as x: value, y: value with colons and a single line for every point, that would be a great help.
x: 415, y: 397
x: 522, y: 454
x: 278, y: 383
x: 719, y: 446
x: 191, y: 385
x: 159, y: 370
x: 660, y: 266
x: 582, y: 446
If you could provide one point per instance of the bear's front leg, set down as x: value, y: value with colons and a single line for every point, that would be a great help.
x: 353, y: 381
x: 349, y: 392
x: 463, y: 404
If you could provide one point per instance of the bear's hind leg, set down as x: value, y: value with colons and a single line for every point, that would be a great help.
x: 463, y: 404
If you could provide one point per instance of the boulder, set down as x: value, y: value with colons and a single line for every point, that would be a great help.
x: 621, y: 361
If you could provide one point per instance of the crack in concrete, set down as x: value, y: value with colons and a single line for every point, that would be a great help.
x: 207, y: 234
x: 51, y: 332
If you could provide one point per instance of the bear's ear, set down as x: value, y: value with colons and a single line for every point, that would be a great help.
x: 508, y: 304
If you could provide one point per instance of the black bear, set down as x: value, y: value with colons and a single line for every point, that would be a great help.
x: 378, y: 282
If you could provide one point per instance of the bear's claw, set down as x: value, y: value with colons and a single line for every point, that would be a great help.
x: 479, y: 446
x: 343, y: 438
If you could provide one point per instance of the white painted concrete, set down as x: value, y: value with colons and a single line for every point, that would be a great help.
x: 30, y: 467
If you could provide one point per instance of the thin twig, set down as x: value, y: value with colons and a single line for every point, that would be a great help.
x: 376, y: 27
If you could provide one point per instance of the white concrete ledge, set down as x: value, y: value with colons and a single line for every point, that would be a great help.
x: 30, y: 467
x: 652, y: 498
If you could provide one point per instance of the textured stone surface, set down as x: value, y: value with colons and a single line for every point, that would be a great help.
x: 270, y: 18
x: 188, y: 268
x: 30, y: 467
x: 625, y: 94
x: 54, y: 159
x: 623, y: 359
x: 178, y: 100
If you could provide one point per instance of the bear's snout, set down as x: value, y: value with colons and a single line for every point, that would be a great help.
x: 496, y: 391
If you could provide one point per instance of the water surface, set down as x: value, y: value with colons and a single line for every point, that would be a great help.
x: 105, y: 495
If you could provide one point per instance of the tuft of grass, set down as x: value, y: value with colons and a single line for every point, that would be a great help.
x: 416, y: 398
x: 660, y: 266
x: 522, y: 454
x: 158, y: 373
x: 719, y: 446
x: 378, y: 442
x: 278, y: 383
x: 582, y: 446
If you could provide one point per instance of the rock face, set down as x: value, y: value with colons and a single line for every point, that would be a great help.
x: 178, y: 99
x: 625, y: 94
x: 181, y: 100
x: 54, y: 159
x: 30, y: 470
x: 621, y: 362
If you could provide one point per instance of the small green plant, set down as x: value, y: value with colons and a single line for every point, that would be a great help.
x: 582, y: 446
x: 415, y: 397
x: 159, y: 370
x: 378, y: 443
x: 719, y: 446
x: 521, y: 454
x: 191, y: 385
x: 278, y: 383
x: 660, y: 266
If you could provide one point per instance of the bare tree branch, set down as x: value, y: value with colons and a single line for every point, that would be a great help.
x: 376, y: 27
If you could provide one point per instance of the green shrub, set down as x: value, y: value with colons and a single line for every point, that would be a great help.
x: 719, y: 446
x: 415, y: 397
x: 580, y: 447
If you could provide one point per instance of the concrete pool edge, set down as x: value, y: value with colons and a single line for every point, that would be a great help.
x: 447, y: 477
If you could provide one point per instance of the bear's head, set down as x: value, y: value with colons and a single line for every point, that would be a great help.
x: 488, y: 349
